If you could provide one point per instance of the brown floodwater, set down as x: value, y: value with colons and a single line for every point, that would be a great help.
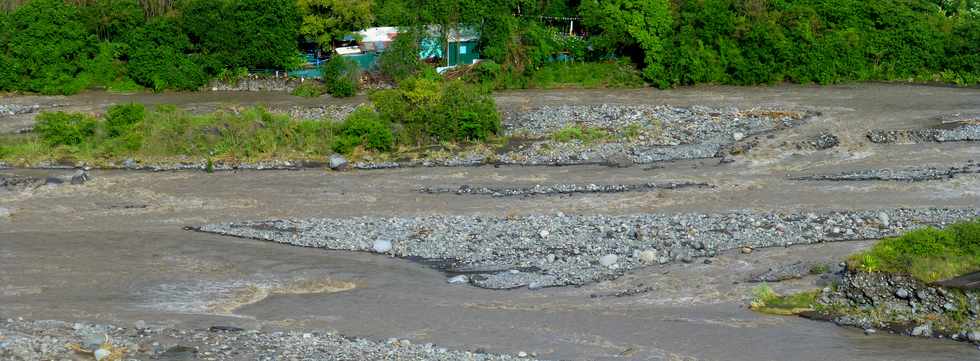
x: 114, y: 249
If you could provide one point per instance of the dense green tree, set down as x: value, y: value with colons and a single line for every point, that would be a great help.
x: 634, y: 27
x: 243, y: 33
x: 326, y: 21
x: 7, y: 71
x: 110, y: 19
x: 160, y: 57
x: 48, y: 47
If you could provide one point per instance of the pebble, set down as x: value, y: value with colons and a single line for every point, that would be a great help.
x: 648, y: 256
x: 456, y: 280
x: 381, y: 246
x: 884, y: 219
x: 608, y: 260
x: 870, y: 331
x: 924, y: 330
x: 80, y: 177
x: 902, y: 293
x: 338, y: 162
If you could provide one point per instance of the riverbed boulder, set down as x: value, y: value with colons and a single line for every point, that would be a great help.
x: 648, y: 256
x: 608, y: 260
x: 338, y: 162
x: 80, y: 177
x: 381, y: 246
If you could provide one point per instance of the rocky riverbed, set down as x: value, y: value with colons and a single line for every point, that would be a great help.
x: 630, y: 134
x: 560, y: 189
x: 655, y: 258
x: 962, y: 133
x: 903, y: 174
x: 25, y: 340
x: 557, y: 250
x: 637, y: 134
x: 900, y: 304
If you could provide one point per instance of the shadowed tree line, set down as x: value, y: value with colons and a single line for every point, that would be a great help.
x: 57, y: 46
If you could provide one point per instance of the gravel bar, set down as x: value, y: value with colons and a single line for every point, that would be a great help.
x: 902, y: 175
x: 556, y: 250
x: 23, y: 340
x: 641, y: 134
x: 558, y: 189
x: 970, y: 132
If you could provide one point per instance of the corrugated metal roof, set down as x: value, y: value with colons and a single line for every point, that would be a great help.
x: 386, y: 34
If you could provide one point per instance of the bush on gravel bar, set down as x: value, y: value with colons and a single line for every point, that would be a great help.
x: 65, y: 128
x: 341, y: 76
x: 927, y: 254
x: 430, y: 111
x: 363, y: 128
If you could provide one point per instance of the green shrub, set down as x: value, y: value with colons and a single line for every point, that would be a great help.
x: 401, y: 59
x: 310, y: 90
x: 48, y: 47
x: 928, y: 254
x: 65, y: 128
x: 467, y: 114
x: 364, y: 127
x: 232, y: 75
x: 121, y: 118
x: 586, y: 75
x: 242, y: 33
x: 581, y: 133
x: 341, y: 76
x: 158, y: 57
x: 432, y: 111
x: 486, y: 72
x: 766, y: 300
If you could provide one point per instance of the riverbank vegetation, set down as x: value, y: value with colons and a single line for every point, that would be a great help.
x: 921, y: 257
x: 62, y: 47
x: 766, y: 300
x: 927, y: 254
x: 419, y: 113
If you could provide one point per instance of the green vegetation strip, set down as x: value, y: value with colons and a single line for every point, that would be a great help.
x: 768, y: 301
x: 63, y: 47
x: 927, y: 254
x: 419, y: 113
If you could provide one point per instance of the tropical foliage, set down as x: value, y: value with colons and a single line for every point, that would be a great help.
x: 61, y: 47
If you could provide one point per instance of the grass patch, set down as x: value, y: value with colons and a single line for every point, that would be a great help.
x: 586, y: 76
x: 927, y: 254
x: 420, y: 113
x: 580, y: 133
x: 167, y: 134
x: 311, y: 89
x: 768, y: 301
x: 558, y: 75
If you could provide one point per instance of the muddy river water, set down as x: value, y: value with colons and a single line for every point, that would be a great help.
x: 115, y: 249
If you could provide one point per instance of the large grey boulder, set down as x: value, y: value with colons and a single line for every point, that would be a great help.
x: 338, y: 162
x: 80, y: 177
